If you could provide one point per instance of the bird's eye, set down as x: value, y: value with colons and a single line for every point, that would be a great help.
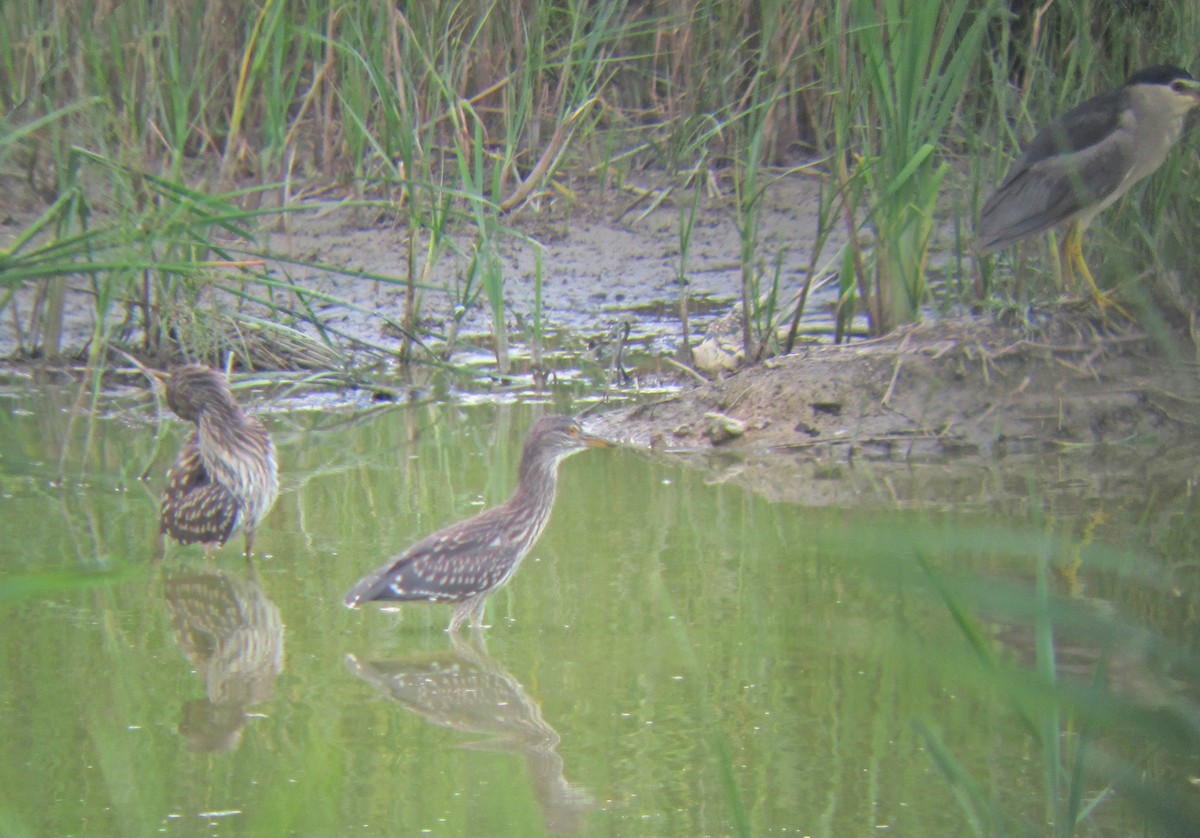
x: 573, y: 430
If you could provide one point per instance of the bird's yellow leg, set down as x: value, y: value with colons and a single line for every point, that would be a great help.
x: 1064, y: 277
x: 1073, y: 255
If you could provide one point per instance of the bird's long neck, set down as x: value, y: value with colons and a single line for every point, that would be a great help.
x: 537, y: 482
x: 221, y: 425
x: 1158, y: 129
x: 235, y: 446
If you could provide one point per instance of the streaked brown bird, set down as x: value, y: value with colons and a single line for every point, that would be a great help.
x: 225, y: 479
x: 467, y: 561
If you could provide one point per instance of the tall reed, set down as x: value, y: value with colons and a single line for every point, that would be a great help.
x: 912, y: 61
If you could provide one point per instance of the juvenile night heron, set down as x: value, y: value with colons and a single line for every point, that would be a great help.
x: 225, y: 479
x: 467, y: 561
x: 232, y: 635
x: 1085, y: 160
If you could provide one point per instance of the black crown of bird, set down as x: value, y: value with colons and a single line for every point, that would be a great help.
x: 467, y: 561
x: 1086, y: 159
x: 226, y: 477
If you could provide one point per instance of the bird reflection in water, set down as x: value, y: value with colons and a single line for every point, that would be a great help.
x: 1094, y: 645
x: 466, y: 689
x: 231, y: 633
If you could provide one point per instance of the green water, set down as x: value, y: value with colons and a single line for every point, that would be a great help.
x: 677, y: 656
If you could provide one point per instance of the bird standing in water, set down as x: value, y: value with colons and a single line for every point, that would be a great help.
x: 467, y: 561
x: 1085, y: 160
x: 226, y: 478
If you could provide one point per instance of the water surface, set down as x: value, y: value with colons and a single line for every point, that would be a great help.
x: 677, y: 657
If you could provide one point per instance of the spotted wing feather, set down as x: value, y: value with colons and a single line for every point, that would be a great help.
x: 455, y: 564
x: 195, y: 509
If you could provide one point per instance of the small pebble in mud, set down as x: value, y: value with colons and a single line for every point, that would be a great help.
x: 722, y: 428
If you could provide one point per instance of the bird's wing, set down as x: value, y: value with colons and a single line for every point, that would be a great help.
x: 1074, y: 163
x: 194, y: 508
x: 1083, y: 127
x: 448, y: 566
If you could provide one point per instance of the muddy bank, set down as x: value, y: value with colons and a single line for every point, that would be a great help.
x: 961, y: 392
x: 608, y: 257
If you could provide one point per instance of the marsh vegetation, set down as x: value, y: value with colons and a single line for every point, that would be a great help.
x: 149, y: 149
x: 369, y: 198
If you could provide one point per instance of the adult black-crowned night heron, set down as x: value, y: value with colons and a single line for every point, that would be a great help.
x: 1085, y: 160
x: 467, y: 561
x: 225, y: 479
